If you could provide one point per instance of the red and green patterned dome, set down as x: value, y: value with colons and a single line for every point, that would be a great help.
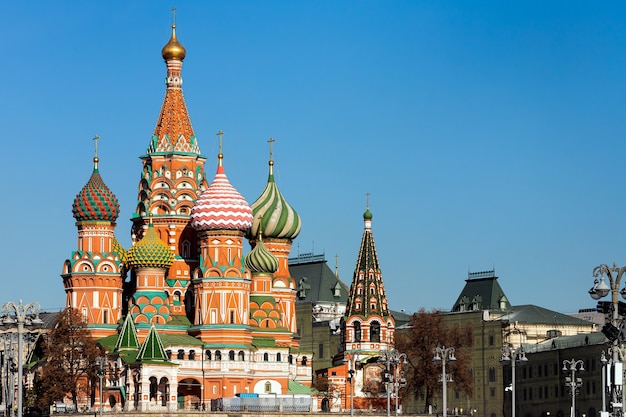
x: 95, y: 201
x: 150, y: 252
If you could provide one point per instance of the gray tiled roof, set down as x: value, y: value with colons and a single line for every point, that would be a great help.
x: 321, y: 282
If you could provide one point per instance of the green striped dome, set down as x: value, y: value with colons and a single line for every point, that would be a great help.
x: 150, y: 252
x: 273, y: 214
x: 260, y: 259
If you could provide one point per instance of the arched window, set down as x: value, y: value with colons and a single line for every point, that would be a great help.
x: 290, y: 359
x: 242, y: 356
x: 492, y: 374
x: 375, y: 332
x: 304, y: 360
x: 231, y: 355
x: 192, y: 355
x: 278, y: 357
x: 266, y: 357
x: 357, y: 331
x: 181, y: 354
x: 218, y: 355
x: 169, y: 354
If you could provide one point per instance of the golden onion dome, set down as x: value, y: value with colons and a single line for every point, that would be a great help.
x: 173, y: 50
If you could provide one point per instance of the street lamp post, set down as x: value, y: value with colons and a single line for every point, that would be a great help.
x: 101, y: 372
x: 604, y: 361
x: 392, y: 359
x: 513, y: 356
x: 443, y: 355
x: 353, y: 363
x: 573, y: 383
x: 23, y: 315
x: 612, y: 329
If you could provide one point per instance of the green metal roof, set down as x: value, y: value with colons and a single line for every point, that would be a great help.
x: 299, y: 388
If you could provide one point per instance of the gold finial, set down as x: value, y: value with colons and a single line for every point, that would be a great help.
x: 173, y: 50
x: 95, y: 158
x: 367, y: 200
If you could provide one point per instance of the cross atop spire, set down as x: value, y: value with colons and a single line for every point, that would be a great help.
x: 271, y: 141
x: 174, y: 16
x: 219, y: 135
x: 95, y: 139
x: 367, y: 200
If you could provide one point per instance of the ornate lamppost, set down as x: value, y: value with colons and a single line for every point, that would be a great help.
x: 353, y: 363
x: 22, y: 315
x: 392, y: 359
x: 101, y: 372
x: 513, y: 356
x: 573, y: 383
x: 612, y: 329
x: 443, y: 355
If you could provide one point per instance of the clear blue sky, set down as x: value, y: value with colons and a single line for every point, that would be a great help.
x: 488, y: 133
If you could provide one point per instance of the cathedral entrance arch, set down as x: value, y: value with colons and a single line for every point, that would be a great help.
x: 189, y: 394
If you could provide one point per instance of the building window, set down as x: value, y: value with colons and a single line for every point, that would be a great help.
x: 192, y: 355
x: 320, y: 350
x: 279, y: 357
x: 231, y: 355
x: 169, y: 354
x: 304, y: 360
x: 491, y: 340
x: 218, y: 355
x: 375, y: 332
x: 268, y: 387
x: 232, y: 316
x: 105, y: 317
x: 208, y: 355
x: 181, y: 354
x: 492, y: 374
x: 290, y: 359
x: 266, y: 357
x: 492, y: 392
x: 357, y: 331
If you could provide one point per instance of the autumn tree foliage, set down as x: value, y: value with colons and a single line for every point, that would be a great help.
x: 69, y: 355
x: 427, y: 331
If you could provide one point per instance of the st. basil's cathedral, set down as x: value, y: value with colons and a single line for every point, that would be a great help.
x: 184, y: 315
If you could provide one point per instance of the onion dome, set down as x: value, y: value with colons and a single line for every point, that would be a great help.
x: 367, y: 215
x: 220, y: 206
x: 173, y: 50
x: 260, y: 259
x: 119, y: 249
x: 273, y: 214
x: 150, y: 251
x: 95, y: 201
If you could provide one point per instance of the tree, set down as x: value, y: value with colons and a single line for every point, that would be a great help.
x: 427, y: 331
x: 69, y: 359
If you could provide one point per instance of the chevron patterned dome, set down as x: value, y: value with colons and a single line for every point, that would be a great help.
x: 273, y: 214
x: 150, y: 252
x: 221, y: 207
x: 260, y: 259
x: 95, y: 201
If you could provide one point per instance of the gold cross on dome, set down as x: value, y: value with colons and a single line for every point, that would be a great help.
x: 367, y: 200
x: 173, y: 16
x: 271, y: 141
x: 95, y: 139
x: 219, y: 135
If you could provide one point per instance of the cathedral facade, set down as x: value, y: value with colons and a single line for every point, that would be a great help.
x: 188, y: 313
